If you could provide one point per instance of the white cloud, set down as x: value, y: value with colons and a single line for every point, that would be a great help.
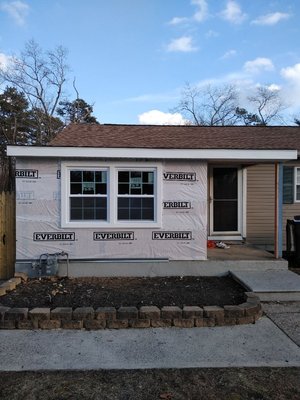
x: 258, y: 65
x: 182, y: 44
x: 292, y: 87
x: 229, y: 54
x: 274, y: 87
x: 199, y: 16
x: 202, y: 12
x: 292, y: 74
x: 18, y: 10
x: 178, y: 20
x: 4, y: 61
x: 156, y: 117
x: 270, y: 19
x: 233, y: 13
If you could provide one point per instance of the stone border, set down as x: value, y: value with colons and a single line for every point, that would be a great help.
x: 128, y: 317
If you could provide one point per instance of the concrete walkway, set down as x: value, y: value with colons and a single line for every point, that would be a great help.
x: 259, y: 345
x: 272, y: 342
x: 271, y: 285
x: 286, y: 316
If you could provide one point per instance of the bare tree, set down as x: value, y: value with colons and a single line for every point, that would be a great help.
x: 267, y: 106
x: 41, y: 77
x: 209, y: 105
x: 76, y: 111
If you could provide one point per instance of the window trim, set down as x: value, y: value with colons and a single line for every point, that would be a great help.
x: 112, y: 194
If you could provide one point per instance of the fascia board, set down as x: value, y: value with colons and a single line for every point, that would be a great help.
x: 142, y: 153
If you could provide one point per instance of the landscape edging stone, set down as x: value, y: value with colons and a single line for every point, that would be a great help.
x: 131, y: 317
x: 127, y: 317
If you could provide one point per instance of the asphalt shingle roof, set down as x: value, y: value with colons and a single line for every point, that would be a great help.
x: 179, y: 137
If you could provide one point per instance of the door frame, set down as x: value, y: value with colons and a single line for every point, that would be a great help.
x: 240, y: 234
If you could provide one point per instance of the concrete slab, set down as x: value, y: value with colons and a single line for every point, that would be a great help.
x: 290, y: 307
x: 168, y: 268
x: 286, y: 316
x: 238, y: 257
x: 290, y: 324
x: 240, y: 252
x: 278, y: 296
x: 270, y: 281
x: 271, y: 285
x: 236, y: 346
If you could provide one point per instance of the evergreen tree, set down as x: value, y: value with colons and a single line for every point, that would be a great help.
x: 20, y: 125
x: 14, y: 129
x: 76, y: 111
x: 15, y: 119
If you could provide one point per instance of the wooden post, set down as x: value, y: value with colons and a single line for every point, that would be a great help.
x: 2, y: 272
x: 7, y: 235
x: 278, y: 211
x: 10, y: 234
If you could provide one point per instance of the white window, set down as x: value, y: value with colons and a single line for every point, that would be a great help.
x: 87, y: 195
x: 297, y: 184
x: 110, y: 195
x: 136, y: 195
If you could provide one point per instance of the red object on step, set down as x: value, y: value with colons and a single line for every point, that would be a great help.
x: 211, y: 244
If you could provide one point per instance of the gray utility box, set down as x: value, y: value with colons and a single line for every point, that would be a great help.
x: 48, y: 264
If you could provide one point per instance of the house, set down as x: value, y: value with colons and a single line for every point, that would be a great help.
x: 261, y: 201
x: 149, y: 194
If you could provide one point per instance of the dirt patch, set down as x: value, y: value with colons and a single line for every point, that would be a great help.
x: 192, y: 384
x: 117, y: 292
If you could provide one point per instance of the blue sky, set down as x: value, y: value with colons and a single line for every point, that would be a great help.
x: 131, y: 58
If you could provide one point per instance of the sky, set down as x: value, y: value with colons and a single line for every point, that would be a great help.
x: 132, y: 58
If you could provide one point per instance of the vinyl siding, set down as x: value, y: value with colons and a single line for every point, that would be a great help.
x: 260, y: 205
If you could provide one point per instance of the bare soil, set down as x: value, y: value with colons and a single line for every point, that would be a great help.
x: 117, y: 292
x: 168, y: 384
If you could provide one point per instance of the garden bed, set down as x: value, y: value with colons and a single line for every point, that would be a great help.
x: 114, y: 303
x: 120, y: 292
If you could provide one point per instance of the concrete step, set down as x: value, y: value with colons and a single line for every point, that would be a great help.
x: 270, y: 285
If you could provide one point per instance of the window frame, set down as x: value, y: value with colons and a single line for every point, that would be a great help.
x: 112, y: 194
x: 295, y: 184
x: 86, y: 195
x: 66, y: 195
x: 288, y: 184
x: 136, y: 169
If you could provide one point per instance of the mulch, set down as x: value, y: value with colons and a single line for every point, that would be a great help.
x: 117, y: 292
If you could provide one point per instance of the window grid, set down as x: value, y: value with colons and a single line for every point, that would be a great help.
x: 88, y: 195
x: 136, y: 197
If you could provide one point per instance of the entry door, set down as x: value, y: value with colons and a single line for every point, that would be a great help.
x: 225, y: 199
